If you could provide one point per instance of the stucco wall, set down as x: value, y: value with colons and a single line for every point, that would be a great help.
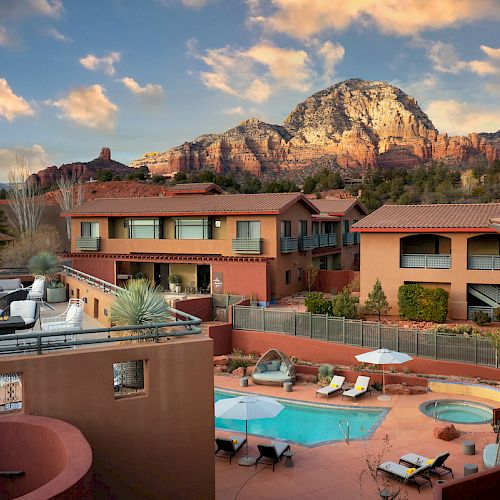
x: 158, y: 445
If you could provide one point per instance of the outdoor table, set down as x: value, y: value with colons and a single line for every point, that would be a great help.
x: 470, y: 469
x: 288, y: 459
x: 9, y: 325
x: 287, y: 386
x: 244, y: 382
x: 469, y: 447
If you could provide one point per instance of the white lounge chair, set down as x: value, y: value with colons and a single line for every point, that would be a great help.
x: 334, y: 386
x: 436, y: 465
x: 28, y: 310
x: 360, y: 387
x: 37, y: 289
x: 416, y: 476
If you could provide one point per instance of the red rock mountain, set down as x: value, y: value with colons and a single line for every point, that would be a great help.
x: 355, y: 123
x: 82, y: 170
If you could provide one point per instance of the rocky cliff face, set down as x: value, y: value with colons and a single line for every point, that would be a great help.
x: 82, y: 170
x: 358, y: 123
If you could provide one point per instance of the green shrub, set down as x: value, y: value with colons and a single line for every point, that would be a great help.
x: 344, y: 304
x: 496, y: 313
x: 237, y: 362
x: 481, y: 318
x: 377, y: 386
x: 317, y: 304
x: 325, y: 371
x: 44, y: 263
x: 422, y: 304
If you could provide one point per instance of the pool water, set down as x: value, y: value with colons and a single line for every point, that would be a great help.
x: 460, y: 412
x: 306, y: 424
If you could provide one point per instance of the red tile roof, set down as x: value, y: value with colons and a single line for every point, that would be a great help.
x: 194, y: 188
x: 459, y: 216
x: 269, y: 203
x: 337, y: 207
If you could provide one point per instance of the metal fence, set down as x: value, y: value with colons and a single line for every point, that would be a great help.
x: 370, y: 334
x: 221, y: 303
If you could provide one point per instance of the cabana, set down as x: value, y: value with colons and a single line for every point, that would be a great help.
x: 274, y: 368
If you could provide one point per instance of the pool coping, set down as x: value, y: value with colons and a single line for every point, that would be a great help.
x: 423, y: 405
x: 299, y: 402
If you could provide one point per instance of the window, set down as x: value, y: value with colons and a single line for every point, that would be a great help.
x: 315, y: 228
x: 193, y: 229
x: 323, y: 263
x: 11, y: 392
x: 300, y: 275
x: 89, y: 229
x: 346, y: 226
x: 128, y: 378
x: 288, y: 277
x: 144, y: 228
x: 302, y: 228
x: 286, y: 228
x: 248, y: 229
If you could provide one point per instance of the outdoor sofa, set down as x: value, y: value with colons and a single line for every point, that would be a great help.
x: 228, y: 448
x: 28, y: 310
x: 334, y: 386
x: 273, y: 368
x: 436, y: 468
x: 271, y: 454
x: 7, y: 286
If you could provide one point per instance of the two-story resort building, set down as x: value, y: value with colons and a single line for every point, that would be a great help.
x: 454, y: 247
x: 251, y: 244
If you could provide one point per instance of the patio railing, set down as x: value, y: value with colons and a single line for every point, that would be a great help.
x: 105, y: 286
x: 425, y: 261
x: 370, y: 334
x: 486, y: 262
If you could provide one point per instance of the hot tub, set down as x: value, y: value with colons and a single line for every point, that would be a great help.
x: 457, y: 411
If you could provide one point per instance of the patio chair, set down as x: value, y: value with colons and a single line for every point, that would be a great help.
x: 37, y: 289
x: 271, y: 454
x: 6, y: 300
x: 415, y: 476
x: 70, y: 319
x: 437, y: 466
x: 334, y: 386
x: 228, y: 448
x: 360, y: 387
x: 28, y: 310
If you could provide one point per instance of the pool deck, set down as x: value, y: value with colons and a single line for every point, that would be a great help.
x: 333, y: 470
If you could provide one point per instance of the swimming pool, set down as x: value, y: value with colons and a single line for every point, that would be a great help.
x: 307, y: 424
x: 457, y: 411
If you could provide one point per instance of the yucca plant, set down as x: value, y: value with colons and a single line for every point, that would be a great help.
x: 44, y: 263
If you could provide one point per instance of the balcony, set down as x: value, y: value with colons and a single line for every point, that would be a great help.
x: 248, y: 246
x: 307, y: 243
x: 350, y: 239
x: 289, y: 244
x: 88, y: 243
x: 426, y: 261
x: 484, y: 262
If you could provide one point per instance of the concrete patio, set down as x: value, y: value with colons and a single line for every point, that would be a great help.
x: 340, y: 470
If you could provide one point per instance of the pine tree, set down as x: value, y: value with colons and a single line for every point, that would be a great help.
x: 377, y: 300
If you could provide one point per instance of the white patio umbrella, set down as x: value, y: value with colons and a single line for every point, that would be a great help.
x: 383, y: 357
x: 247, y: 408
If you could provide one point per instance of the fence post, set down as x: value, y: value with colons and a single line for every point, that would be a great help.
x: 362, y: 336
x: 435, y: 346
x: 326, y: 328
x: 294, y: 324
x: 343, y: 331
x: 416, y: 342
x: 310, y: 326
x: 378, y: 335
x: 475, y: 350
x: 262, y: 321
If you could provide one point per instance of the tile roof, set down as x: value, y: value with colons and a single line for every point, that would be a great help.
x: 195, y: 187
x: 459, y: 216
x: 270, y: 203
x: 337, y: 207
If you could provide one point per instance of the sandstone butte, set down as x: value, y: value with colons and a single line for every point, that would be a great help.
x: 355, y: 123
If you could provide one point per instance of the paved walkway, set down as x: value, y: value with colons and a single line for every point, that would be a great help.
x: 339, y: 471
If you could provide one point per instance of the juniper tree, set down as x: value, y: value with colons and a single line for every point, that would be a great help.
x: 377, y: 300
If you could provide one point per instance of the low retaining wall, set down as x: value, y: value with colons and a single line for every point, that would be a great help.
x: 221, y: 335
x: 329, y: 281
x: 201, y: 307
x: 465, y: 389
x: 480, y: 485
x: 319, y: 351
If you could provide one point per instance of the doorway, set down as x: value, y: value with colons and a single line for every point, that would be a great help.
x: 161, y: 271
x: 96, y: 308
x: 203, y: 278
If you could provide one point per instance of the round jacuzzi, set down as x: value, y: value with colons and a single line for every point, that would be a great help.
x: 457, y: 411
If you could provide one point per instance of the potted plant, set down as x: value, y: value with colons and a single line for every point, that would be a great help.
x: 139, y: 303
x: 173, y: 280
x: 56, y: 291
x: 44, y: 264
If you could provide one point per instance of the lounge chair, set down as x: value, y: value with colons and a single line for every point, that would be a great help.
x: 334, y: 386
x: 491, y: 456
x: 271, y: 454
x: 360, y: 387
x: 229, y: 447
x: 437, y: 466
x: 28, y: 310
x: 416, y: 476
x: 37, y: 289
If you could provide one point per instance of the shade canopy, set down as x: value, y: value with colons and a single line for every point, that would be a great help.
x: 247, y: 408
x: 383, y: 357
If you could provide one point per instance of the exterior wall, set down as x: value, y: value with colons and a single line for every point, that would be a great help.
x: 330, y: 352
x: 200, y: 307
x: 221, y: 335
x: 350, y: 253
x: 483, y: 484
x: 335, y: 280
x: 100, y: 268
x: 140, y: 443
x: 380, y: 258
x: 88, y: 293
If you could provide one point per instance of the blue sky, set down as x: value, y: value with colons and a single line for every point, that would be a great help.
x: 146, y: 75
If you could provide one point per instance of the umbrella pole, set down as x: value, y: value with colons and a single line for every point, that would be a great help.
x: 246, y: 435
x: 383, y: 379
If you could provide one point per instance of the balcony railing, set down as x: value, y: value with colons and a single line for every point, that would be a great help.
x: 289, y: 244
x: 105, y: 286
x: 307, y: 243
x: 484, y: 262
x: 426, y: 261
x: 249, y: 246
x: 325, y: 240
x: 350, y: 239
x: 473, y: 309
x: 88, y: 243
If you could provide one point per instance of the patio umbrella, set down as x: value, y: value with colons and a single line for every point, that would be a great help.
x: 247, y: 408
x: 383, y: 357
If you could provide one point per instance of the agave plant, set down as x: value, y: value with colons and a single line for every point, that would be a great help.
x: 44, y: 263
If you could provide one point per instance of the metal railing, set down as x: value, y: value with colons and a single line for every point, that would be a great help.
x: 306, y: 243
x: 350, y: 239
x: 221, y: 303
x: 39, y: 342
x: 325, y: 240
x: 425, y: 261
x: 105, y: 286
x: 250, y: 246
x: 472, y: 309
x: 370, y: 334
x: 484, y: 262
x: 90, y: 243
x: 289, y: 244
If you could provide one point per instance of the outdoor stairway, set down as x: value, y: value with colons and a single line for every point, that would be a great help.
x: 489, y: 294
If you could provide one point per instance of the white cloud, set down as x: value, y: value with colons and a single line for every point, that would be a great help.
x: 194, y: 4
x: 89, y: 107
x: 237, y: 110
x: 151, y: 92
x: 332, y: 54
x: 49, y: 8
x: 105, y: 63
x: 490, y: 51
x: 57, y: 35
x: 455, y: 117
x: 12, y: 105
x: 35, y: 155
x: 305, y: 18
x: 4, y: 36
